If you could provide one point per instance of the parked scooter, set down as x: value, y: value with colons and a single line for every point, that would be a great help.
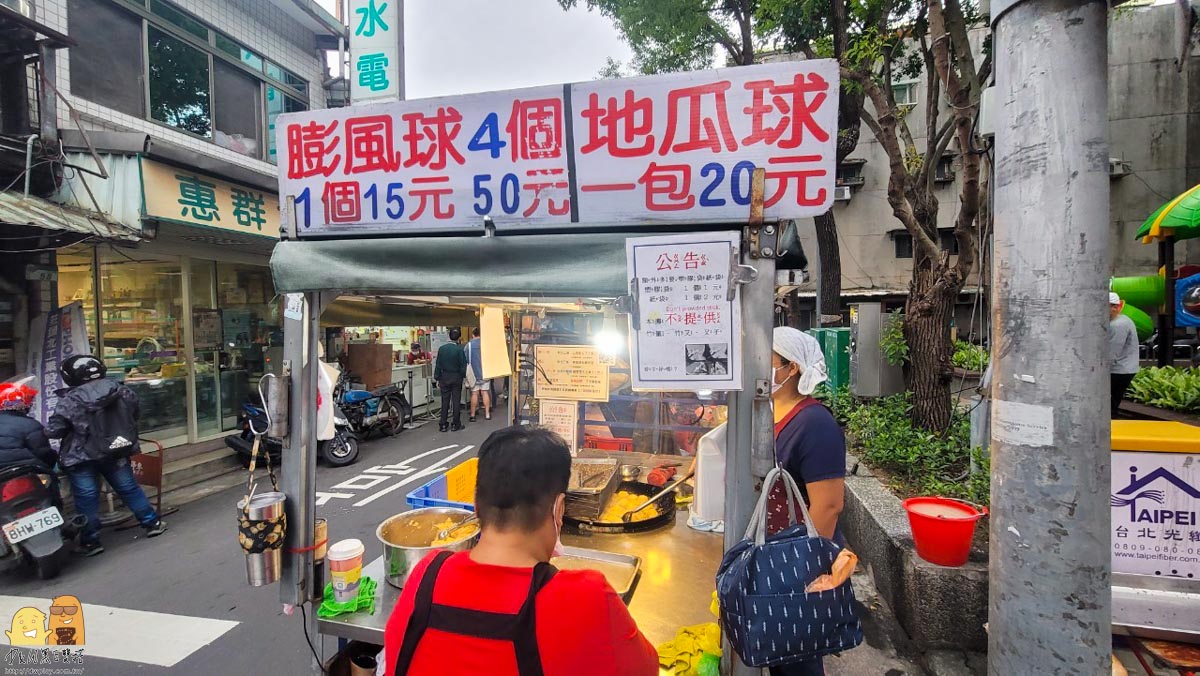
x: 382, y: 410
x: 33, y: 530
x: 339, y: 451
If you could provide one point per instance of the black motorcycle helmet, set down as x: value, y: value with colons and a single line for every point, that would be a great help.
x: 80, y: 369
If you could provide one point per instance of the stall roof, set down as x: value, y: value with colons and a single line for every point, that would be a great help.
x: 562, y: 265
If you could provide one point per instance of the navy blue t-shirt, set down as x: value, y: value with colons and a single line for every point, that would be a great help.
x: 812, y: 448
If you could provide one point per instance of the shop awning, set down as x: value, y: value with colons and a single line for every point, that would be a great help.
x: 347, y: 312
x: 19, y: 209
x: 565, y: 265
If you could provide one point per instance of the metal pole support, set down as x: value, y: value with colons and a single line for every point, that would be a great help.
x: 1050, y: 559
x: 750, y: 442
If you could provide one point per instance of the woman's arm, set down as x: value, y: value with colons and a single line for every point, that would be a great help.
x: 826, y: 499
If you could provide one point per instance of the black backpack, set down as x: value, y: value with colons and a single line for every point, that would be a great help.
x: 112, y: 431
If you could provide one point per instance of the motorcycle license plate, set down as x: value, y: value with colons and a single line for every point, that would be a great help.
x: 28, y: 526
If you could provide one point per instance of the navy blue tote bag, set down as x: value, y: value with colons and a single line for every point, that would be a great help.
x: 766, y: 614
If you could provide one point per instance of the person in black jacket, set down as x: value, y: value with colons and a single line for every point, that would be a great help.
x: 22, y: 439
x: 97, y: 420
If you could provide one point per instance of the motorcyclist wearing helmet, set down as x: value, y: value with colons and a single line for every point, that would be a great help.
x: 22, y: 439
x: 97, y: 419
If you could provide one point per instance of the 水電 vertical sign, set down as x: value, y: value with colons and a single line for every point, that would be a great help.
x: 657, y: 149
x: 376, y: 62
x: 687, y: 332
x: 1155, y: 506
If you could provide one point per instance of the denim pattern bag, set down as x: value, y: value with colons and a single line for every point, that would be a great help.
x: 769, y: 618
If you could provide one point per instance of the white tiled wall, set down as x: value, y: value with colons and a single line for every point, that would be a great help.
x: 258, y: 24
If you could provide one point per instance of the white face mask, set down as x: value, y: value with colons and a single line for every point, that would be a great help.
x: 775, y: 387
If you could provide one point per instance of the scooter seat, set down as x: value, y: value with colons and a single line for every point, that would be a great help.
x: 355, y: 396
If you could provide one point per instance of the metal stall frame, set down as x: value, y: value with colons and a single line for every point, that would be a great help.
x: 579, y: 264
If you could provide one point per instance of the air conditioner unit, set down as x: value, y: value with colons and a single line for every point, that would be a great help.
x: 842, y: 193
x: 1118, y: 168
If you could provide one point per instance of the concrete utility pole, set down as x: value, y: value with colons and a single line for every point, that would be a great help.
x: 1050, y: 604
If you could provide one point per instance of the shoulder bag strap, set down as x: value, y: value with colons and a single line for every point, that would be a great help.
x: 418, y: 622
x: 529, y: 660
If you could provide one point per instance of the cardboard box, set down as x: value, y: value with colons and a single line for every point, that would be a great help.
x: 370, y: 363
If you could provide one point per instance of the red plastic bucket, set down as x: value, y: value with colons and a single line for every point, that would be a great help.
x: 943, y: 528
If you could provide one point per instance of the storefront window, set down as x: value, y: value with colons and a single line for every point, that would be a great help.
x: 142, y: 319
x: 75, y: 278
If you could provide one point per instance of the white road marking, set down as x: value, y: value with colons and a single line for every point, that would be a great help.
x: 361, y: 482
x: 423, y: 473
x: 139, y: 636
x: 418, y: 456
x: 323, y: 498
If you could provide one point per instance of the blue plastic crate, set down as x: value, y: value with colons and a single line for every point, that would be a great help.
x: 433, y: 494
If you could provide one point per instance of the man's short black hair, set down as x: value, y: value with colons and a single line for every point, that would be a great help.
x: 455, y: 334
x: 475, y: 332
x: 522, y: 470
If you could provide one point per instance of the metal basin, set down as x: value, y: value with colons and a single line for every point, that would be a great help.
x: 405, y: 538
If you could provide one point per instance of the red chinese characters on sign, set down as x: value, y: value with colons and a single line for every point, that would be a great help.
x: 702, y: 131
x: 535, y: 129
x: 694, y: 261
x: 311, y: 149
x: 668, y: 187
x: 370, y: 145
x: 430, y: 138
x: 791, y: 107
x: 343, y: 202
x: 621, y: 129
x: 546, y: 179
x: 667, y: 261
x: 801, y: 169
x: 432, y: 189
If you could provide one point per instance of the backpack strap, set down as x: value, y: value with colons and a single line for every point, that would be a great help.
x: 519, y: 629
x: 418, y: 622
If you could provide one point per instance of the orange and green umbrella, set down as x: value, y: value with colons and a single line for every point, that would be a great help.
x: 1179, y: 218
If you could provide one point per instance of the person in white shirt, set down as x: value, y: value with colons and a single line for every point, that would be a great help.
x: 1123, y: 351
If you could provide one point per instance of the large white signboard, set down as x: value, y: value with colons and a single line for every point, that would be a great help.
x: 1156, y: 514
x: 688, y: 329
x: 658, y: 149
x: 376, y: 63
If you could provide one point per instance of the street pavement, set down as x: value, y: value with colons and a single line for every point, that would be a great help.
x: 179, y: 604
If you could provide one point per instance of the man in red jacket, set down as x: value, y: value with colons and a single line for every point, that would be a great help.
x: 501, y: 609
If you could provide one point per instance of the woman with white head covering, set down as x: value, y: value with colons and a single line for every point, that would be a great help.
x: 809, y: 444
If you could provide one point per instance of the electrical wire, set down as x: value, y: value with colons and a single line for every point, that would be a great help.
x: 304, y: 619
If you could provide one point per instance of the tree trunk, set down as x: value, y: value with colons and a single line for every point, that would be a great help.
x: 927, y: 331
x: 829, y: 287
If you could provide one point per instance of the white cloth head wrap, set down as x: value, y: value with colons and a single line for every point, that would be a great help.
x: 805, y: 352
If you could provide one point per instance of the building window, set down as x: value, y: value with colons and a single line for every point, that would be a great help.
x: 905, y: 94
x: 177, y: 18
x: 904, y: 244
x: 948, y: 241
x: 277, y: 104
x: 106, y: 62
x: 238, y: 125
x: 200, y: 80
x: 179, y: 84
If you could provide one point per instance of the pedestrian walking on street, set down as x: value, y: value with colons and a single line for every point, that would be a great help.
x: 1123, y: 351
x: 501, y: 608
x: 97, y: 420
x: 809, y: 445
x: 449, y: 372
x: 481, y: 387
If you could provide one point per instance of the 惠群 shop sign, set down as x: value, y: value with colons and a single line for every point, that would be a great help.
x: 1155, y: 506
x: 668, y: 148
x: 182, y: 196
